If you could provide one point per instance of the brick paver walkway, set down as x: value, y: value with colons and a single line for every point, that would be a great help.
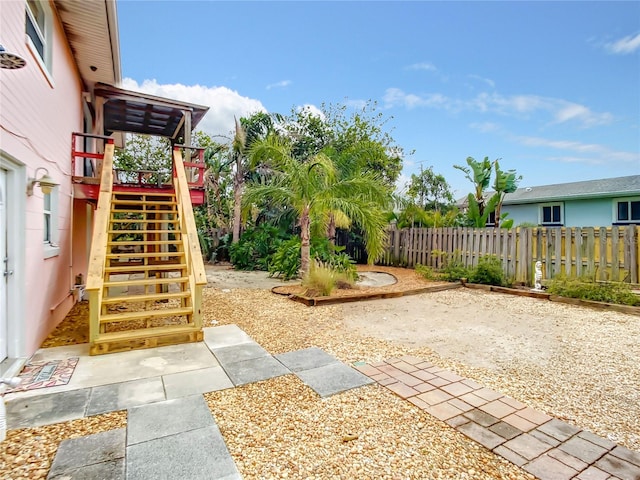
x: 543, y: 446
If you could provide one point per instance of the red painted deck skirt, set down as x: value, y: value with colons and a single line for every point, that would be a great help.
x: 86, y: 188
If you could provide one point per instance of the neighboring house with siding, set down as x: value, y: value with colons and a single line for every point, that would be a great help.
x: 592, y: 203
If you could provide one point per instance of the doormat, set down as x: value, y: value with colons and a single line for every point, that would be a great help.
x: 46, y: 374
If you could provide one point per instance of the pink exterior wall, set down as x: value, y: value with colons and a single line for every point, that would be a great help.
x: 37, y: 117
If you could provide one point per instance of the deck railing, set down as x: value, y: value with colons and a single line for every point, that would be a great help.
x: 86, y: 147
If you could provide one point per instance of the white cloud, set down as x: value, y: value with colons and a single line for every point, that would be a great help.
x: 281, y: 84
x: 395, y: 97
x: 223, y: 102
x: 312, y: 109
x: 592, y: 153
x: 623, y: 46
x: 488, y: 81
x: 429, y: 67
x: 560, y: 111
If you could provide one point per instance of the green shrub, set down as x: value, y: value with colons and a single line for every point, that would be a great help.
x: 425, y: 271
x: 322, y: 279
x: 285, y: 262
x: 488, y: 271
x: 255, y: 247
x: 454, y: 271
x: 586, y: 289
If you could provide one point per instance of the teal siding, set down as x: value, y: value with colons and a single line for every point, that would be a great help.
x: 577, y: 213
x: 589, y: 213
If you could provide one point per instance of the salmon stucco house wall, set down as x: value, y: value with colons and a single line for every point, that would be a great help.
x: 68, y: 47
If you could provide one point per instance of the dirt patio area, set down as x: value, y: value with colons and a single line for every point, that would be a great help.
x: 574, y: 363
x: 578, y: 364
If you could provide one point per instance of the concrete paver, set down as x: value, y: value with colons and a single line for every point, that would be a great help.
x: 239, y: 353
x: 47, y: 409
x: 254, y: 370
x: 193, y: 382
x: 333, y: 378
x: 166, y: 418
x: 100, y: 455
x: 199, y: 454
x: 305, y: 359
x: 120, y: 396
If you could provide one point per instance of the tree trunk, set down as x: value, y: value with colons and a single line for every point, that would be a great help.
x: 305, y: 247
x: 331, y: 229
x: 238, y: 184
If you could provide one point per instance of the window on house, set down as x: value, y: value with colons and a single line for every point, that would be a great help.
x: 50, y: 224
x: 491, y: 219
x: 38, y: 29
x: 47, y: 218
x: 551, y: 215
x: 628, y: 210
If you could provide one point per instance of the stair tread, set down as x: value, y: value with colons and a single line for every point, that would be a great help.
x: 140, y: 242
x: 149, y: 297
x: 145, y: 332
x: 176, y: 232
x: 145, y: 281
x: 126, y: 316
x: 145, y: 255
x: 146, y: 268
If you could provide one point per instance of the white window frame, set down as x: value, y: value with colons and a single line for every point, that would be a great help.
x: 551, y: 223
x: 44, y: 61
x: 627, y: 200
x: 51, y: 247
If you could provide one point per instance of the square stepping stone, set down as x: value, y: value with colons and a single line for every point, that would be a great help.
x: 225, y: 336
x: 47, y: 409
x: 306, y: 359
x: 238, y: 353
x: 196, y: 382
x: 166, y: 418
x: 199, y: 454
x: 95, y: 456
x: 120, y: 396
x: 333, y: 378
x: 255, y: 370
x: 113, y: 470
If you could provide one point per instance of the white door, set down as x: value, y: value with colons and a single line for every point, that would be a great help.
x: 4, y: 265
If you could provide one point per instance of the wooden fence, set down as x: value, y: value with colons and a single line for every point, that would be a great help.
x: 607, y: 253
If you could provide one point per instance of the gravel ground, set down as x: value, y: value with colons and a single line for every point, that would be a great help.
x: 281, y: 429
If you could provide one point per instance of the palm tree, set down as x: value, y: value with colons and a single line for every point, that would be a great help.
x: 313, y: 190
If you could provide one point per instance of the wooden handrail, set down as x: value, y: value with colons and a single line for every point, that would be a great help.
x: 189, y: 233
x: 99, y: 239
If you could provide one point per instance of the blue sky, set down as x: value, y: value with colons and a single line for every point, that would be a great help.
x: 551, y: 88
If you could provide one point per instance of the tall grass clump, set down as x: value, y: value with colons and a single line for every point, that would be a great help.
x: 322, y: 279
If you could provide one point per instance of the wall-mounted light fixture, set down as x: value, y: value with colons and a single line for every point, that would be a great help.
x: 45, y: 181
x: 10, y: 61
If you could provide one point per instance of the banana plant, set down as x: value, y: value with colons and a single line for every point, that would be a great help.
x: 478, y: 173
x: 503, y: 183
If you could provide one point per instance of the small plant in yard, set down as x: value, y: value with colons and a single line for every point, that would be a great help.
x: 488, y: 272
x: 322, y: 279
x: 455, y: 270
x: 425, y: 271
x: 586, y: 288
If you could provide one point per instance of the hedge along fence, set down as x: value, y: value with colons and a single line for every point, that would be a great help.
x: 607, y: 253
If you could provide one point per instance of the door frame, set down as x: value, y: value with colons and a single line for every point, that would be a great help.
x: 16, y: 229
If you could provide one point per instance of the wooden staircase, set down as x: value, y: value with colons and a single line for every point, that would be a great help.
x: 146, y: 273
